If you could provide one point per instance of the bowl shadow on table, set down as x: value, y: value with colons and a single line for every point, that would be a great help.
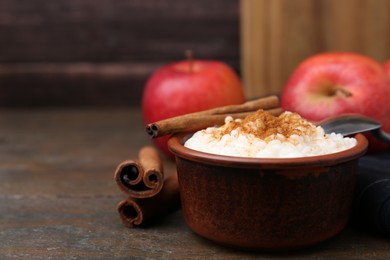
x: 168, y: 220
x: 175, y: 219
x: 332, y: 247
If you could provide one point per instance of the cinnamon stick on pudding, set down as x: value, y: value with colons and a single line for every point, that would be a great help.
x: 216, y: 116
x: 134, y: 212
x: 142, y: 178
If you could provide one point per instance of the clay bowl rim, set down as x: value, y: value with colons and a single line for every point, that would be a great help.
x: 176, y: 141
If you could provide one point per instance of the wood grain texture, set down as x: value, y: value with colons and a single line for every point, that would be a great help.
x: 73, y: 84
x: 58, y: 195
x: 133, y: 36
x: 103, y: 30
x: 277, y: 35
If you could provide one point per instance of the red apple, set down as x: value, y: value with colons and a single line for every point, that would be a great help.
x: 386, y: 65
x: 336, y: 83
x: 189, y: 86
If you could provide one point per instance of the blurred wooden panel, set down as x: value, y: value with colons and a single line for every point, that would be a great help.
x: 120, y: 30
x: 133, y: 36
x: 278, y: 34
x: 73, y: 84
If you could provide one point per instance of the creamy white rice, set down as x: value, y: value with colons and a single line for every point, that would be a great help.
x: 262, y: 135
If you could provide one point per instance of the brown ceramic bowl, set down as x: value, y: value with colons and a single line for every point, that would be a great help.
x: 266, y: 204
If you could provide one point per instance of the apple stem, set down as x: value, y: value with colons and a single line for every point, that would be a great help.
x: 344, y: 92
x: 189, y: 54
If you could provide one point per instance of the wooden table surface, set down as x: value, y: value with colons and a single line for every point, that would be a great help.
x: 58, y: 196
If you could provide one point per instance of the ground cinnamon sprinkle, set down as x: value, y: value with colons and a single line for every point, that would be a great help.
x: 262, y: 125
x: 263, y: 135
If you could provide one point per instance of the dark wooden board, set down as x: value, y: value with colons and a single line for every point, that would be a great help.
x: 103, y: 30
x: 58, y: 195
x: 135, y: 37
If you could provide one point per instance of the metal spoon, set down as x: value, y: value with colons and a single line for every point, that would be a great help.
x: 353, y: 124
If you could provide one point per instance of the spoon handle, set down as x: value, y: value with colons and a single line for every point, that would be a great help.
x: 381, y: 135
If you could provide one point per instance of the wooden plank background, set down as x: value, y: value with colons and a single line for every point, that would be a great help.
x: 278, y: 34
x: 100, y: 52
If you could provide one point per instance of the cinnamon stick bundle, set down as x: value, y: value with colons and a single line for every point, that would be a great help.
x: 134, y: 212
x: 142, y: 178
x: 216, y: 116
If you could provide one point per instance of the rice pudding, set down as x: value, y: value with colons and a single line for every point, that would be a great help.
x: 263, y: 135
